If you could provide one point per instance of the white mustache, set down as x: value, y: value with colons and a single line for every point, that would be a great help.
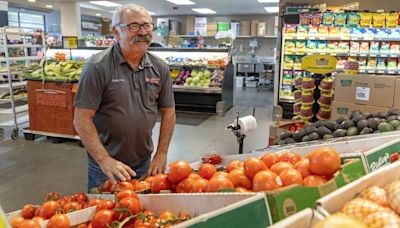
x: 139, y: 38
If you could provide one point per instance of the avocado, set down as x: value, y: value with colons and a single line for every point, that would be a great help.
x: 366, y: 131
x: 390, y: 118
x: 339, y: 133
x: 355, y: 113
x: 324, y: 131
x: 289, y: 140
x: 285, y: 135
x: 310, y: 129
x: 328, y: 137
x: 352, y: 131
x: 341, y: 119
x: 332, y: 125
x: 346, y: 124
x: 281, y: 142
x: 366, y: 114
x: 358, y: 118
x: 385, y: 127
x: 373, y: 123
x: 306, y: 138
x: 299, y: 134
x: 381, y: 115
x: 395, y: 123
x: 394, y: 112
x: 362, y: 124
x: 319, y: 123
x: 314, y: 136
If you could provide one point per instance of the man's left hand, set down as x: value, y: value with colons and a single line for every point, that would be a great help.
x: 158, y: 164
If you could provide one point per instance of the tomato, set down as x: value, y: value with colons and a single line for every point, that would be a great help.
x: 38, y: 219
x: 37, y: 212
x: 126, y: 193
x: 194, y: 176
x: 265, y: 181
x: 108, y: 186
x: 105, y: 204
x: 126, y: 185
x: 160, y: 182
x: 166, y: 216
x: 290, y: 176
x: 49, y: 209
x: 66, y: 199
x: 149, y: 179
x: 134, y: 181
x: 103, y: 219
x: 240, y: 189
x: 83, y: 225
x: 207, y: 170
x: 52, y: 196
x: 280, y: 166
x: 236, y: 164
x: 290, y: 157
x: 184, y: 216
x: 303, y: 167
x: 217, y: 183
x: 94, y: 202
x: 185, y: 185
x: 28, y: 211
x: 252, y: 166
x: 239, y: 179
x: 80, y: 197
x: 313, y: 181
x: 16, y: 221
x: 59, y: 221
x: 270, y: 159
x: 199, y: 185
x: 221, y: 174
x: 131, y: 204
x: 324, y: 161
x: 71, y: 206
x: 178, y: 171
x: 142, y: 186
x: 29, y: 224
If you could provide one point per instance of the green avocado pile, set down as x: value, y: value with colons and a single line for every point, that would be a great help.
x: 63, y: 71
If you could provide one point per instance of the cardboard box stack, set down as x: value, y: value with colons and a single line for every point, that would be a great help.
x: 245, y: 28
x: 369, y: 93
x: 212, y: 29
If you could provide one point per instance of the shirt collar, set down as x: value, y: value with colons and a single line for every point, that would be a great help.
x: 145, y: 61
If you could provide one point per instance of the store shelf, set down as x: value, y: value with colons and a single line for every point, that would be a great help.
x: 386, y: 55
x: 339, y: 38
x: 266, y: 37
x: 286, y: 99
x: 196, y: 89
x: 19, y: 109
x: 14, y: 85
x: 20, y: 58
x: 192, y: 66
x: 24, y: 45
x: 380, y: 71
x: 25, y: 33
x: 190, y: 49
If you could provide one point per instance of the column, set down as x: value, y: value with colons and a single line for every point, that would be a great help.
x: 3, y: 13
x: 70, y: 19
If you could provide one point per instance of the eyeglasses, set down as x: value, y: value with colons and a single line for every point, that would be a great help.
x: 135, y: 27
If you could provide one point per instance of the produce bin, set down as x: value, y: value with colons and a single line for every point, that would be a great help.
x: 51, y: 106
x: 305, y: 218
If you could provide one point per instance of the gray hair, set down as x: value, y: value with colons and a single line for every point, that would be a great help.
x: 116, y: 19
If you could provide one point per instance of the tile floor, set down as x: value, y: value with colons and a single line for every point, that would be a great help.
x: 29, y: 170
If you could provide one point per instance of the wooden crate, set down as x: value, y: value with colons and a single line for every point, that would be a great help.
x: 51, y: 106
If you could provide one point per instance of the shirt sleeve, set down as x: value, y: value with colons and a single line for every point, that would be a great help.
x: 90, y: 88
x: 166, y: 98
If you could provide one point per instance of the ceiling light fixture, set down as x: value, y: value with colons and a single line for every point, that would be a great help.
x: 268, y: 1
x: 151, y: 13
x: 49, y: 6
x: 204, y: 10
x: 182, y: 2
x: 106, y: 3
x: 98, y: 14
x: 272, y: 9
x: 31, y: 0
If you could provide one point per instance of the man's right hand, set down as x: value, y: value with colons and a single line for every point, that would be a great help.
x: 112, y: 167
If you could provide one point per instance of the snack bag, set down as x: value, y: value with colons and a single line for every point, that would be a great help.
x: 356, y: 32
x: 316, y: 18
x: 340, y: 19
x: 365, y: 19
x: 364, y: 46
x: 362, y: 62
x: 394, y: 47
x: 382, y: 33
x: 287, y: 78
x: 354, y: 46
x: 392, y: 19
x: 312, y: 30
x: 304, y: 19
x: 394, y: 33
x: 290, y: 29
x: 323, y: 30
x: 334, y: 31
x: 379, y: 20
x: 353, y: 19
x: 381, y: 64
x: 327, y: 18
x: 288, y: 62
x: 345, y: 32
x: 374, y: 46
x: 302, y: 30
x: 385, y: 47
x: 372, y: 62
x: 322, y: 46
x: 333, y: 46
x: 392, y: 64
x: 297, y: 63
x: 300, y: 46
x: 289, y: 46
x: 369, y: 34
x: 344, y: 46
x: 311, y: 45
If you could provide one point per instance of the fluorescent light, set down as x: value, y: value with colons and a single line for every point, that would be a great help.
x: 182, y: 2
x: 106, y: 3
x: 204, y: 10
x: 98, y: 14
x: 49, y: 6
x: 31, y: 0
x: 268, y: 1
x: 272, y: 9
x: 151, y: 13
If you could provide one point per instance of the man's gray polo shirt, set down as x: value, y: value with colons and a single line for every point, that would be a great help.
x: 126, y: 101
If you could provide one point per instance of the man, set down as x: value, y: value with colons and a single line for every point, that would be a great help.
x: 119, y: 94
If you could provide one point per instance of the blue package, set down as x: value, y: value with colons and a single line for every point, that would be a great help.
x: 356, y: 32
x: 382, y: 33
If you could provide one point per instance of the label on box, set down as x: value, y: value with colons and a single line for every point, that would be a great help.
x: 382, y: 157
x: 346, y: 83
x: 362, y: 93
x: 342, y: 110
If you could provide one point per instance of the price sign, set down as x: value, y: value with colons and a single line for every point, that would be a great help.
x: 70, y: 42
x: 319, y: 64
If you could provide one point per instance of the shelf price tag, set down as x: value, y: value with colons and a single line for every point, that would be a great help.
x: 70, y: 42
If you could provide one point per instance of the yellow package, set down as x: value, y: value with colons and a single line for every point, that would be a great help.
x: 365, y: 19
x: 379, y: 20
x: 392, y: 19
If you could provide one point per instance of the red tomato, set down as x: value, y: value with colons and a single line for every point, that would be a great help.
x: 29, y: 224
x: 239, y: 179
x: 194, y: 176
x: 167, y: 215
x: 236, y: 164
x: 134, y: 181
x: 314, y: 181
x: 221, y: 174
x: 103, y: 219
x: 126, y: 193
x: 94, y: 202
x: 207, y: 170
x: 48, y: 209
x: 303, y: 167
x: 184, y: 216
x: 291, y: 176
x: 252, y: 166
x: 38, y: 219
x: 324, y: 161
x: 83, y: 225
x: 280, y: 166
x: 265, y: 181
x: 290, y: 157
x: 199, y: 185
x: 59, y: 221
x: 105, y: 204
x: 270, y: 159
x: 178, y: 171
x: 185, y: 185
x: 132, y: 204
x: 142, y: 186
x: 80, y: 197
x: 217, y: 183
x: 240, y: 189
x: 148, y: 179
x: 16, y: 221
x: 38, y: 211
x: 107, y: 186
x: 71, y: 206
x: 28, y: 211
x: 126, y: 185
x: 160, y: 182
x: 52, y: 196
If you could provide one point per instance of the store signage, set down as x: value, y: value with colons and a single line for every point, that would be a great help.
x: 70, y: 42
x: 381, y: 157
x: 319, y: 64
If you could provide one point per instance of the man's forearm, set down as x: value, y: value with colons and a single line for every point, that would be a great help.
x: 166, y: 129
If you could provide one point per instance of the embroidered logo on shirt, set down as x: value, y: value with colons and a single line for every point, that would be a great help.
x: 153, y: 80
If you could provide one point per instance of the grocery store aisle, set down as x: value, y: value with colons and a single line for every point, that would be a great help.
x: 29, y: 170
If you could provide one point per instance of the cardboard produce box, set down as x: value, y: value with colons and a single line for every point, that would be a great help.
x: 253, y: 29
x: 345, y: 109
x: 245, y: 28
x: 261, y: 28
x: 334, y: 202
x: 373, y: 90
x: 305, y: 218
